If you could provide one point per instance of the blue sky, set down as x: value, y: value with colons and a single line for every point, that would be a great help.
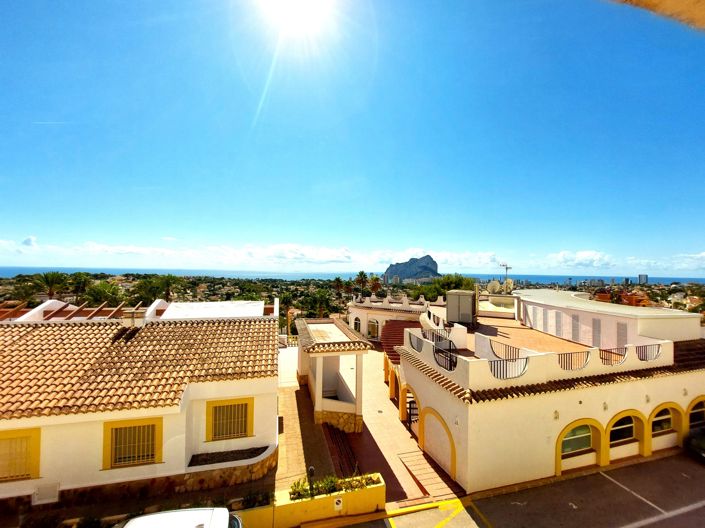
x: 562, y: 137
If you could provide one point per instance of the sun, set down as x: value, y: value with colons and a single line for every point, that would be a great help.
x: 299, y: 19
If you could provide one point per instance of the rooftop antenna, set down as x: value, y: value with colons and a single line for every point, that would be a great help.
x: 506, y: 267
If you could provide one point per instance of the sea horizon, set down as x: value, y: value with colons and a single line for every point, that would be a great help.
x: 8, y: 272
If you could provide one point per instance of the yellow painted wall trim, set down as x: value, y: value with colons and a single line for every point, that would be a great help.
x: 686, y: 427
x: 158, y: 438
x: 402, y: 400
x: 640, y: 430
x: 678, y: 421
x: 210, y: 405
x: 34, y: 436
x: 598, y: 441
x: 422, y: 437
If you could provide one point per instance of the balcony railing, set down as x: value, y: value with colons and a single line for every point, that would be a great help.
x: 508, y: 368
x: 613, y: 356
x: 445, y: 358
x: 648, y: 352
x: 504, y: 351
x: 573, y: 360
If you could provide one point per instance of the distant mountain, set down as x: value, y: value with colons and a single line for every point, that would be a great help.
x: 415, y: 268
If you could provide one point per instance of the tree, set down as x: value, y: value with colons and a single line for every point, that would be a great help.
x: 169, y: 284
x: 24, y: 291
x: 79, y: 283
x: 375, y: 283
x: 361, y: 280
x: 349, y: 287
x: 146, y: 291
x: 51, y: 282
x: 104, y: 292
x: 338, y: 285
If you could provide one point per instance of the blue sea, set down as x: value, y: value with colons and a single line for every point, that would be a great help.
x: 9, y: 272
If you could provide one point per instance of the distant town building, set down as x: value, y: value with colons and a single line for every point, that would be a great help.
x: 643, y: 279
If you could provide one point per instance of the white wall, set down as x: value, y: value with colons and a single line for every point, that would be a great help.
x: 381, y: 316
x: 71, y: 450
x: 514, y: 440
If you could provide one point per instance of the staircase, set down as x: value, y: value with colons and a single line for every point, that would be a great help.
x: 341, y: 453
x: 393, y: 335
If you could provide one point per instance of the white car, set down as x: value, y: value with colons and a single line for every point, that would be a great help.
x: 187, y: 518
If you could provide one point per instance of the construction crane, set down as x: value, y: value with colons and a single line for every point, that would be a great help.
x: 506, y: 267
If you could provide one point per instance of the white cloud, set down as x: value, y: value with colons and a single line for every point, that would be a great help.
x: 588, y: 259
x: 291, y: 257
x: 695, y: 261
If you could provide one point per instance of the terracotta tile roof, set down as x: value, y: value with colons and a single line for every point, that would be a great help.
x: 308, y: 342
x: 81, y: 367
x: 393, y: 336
x: 688, y: 356
x: 456, y: 390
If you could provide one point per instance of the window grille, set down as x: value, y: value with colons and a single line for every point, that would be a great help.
x: 229, y: 421
x: 133, y: 445
x: 15, y: 458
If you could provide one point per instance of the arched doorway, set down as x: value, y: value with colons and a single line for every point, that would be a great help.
x: 436, y: 439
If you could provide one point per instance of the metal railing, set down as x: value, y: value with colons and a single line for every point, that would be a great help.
x: 573, y: 360
x: 613, y: 356
x: 648, y: 352
x: 445, y: 359
x: 504, y: 351
x: 508, y: 368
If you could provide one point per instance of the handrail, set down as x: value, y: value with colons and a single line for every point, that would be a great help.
x: 613, y: 356
x: 648, y: 352
x: 416, y: 342
x: 445, y: 359
x: 573, y: 360
x: 504, y: 351
x: 508, y: 368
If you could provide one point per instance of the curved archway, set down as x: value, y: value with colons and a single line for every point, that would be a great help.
x: 356, y: 324
x: 597, y: 442
x: 422, y: 436
x: 695, y: 414
x: 661, y: 423
x: 406, y: 388
x: 373, y: 328
x: 620, y: 431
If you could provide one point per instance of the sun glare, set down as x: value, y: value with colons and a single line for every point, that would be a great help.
x: 299, y: 19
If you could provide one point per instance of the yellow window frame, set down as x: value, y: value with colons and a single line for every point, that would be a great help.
x: 34, y: 436
x: 210, y: 405
x: 108, y: 428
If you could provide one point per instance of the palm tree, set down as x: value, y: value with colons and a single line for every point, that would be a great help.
x: 104, y: 291
x: 146, y: 290
x: 348, y: 287
x: 170, y: 284
x: 51, y: 282
x: 375, y: 283
x: 361, y: 280
x: 79, y: 283
x: 338, y: 285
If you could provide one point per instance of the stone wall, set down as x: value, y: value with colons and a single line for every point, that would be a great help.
x: 156, y: 487
x: 346, y: 422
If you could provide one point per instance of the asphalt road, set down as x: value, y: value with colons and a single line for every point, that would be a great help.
x: 664, y: 493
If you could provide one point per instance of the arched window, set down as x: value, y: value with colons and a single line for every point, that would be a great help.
x: 577, y: 440
x: 356, y: 324
x: 697, y: 415
x: 622, y: 431
x: 373, y: 328
x: 662, y: 422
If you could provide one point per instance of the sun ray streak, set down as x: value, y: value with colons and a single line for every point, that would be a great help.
x: 268, y: 82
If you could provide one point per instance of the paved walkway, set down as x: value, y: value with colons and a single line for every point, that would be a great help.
x: 385, y: 439
x: 431, y: 478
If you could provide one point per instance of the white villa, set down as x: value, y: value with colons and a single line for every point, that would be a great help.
x: 522, y: 387
x: 369, y: 315
x: 101, y: 402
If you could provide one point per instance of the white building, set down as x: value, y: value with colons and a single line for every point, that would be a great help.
x: 368, y: 315
x: 134, y: 401
x: 580, y: 383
